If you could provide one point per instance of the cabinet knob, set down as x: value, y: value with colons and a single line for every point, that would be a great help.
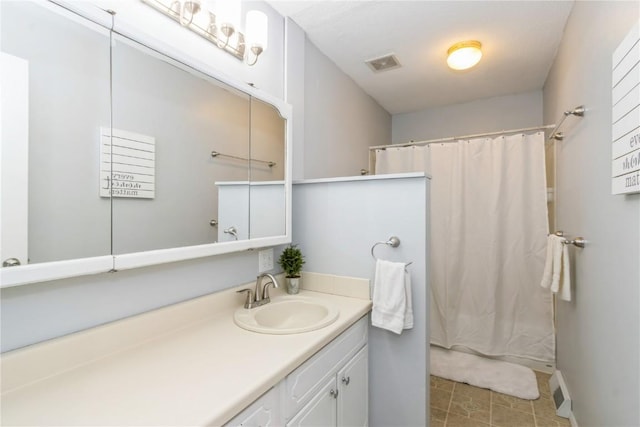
x: 345, y: 380
x: 334, y: 393
x: 11, y: 262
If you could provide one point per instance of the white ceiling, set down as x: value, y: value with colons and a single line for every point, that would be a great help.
x: 519, y: 40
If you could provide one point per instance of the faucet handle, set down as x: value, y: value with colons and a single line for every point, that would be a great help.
x: 248, y: 303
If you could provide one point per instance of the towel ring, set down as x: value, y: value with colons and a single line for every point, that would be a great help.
x: 393, y: 241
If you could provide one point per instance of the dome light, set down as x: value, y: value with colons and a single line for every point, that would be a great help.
x: 464, y: 55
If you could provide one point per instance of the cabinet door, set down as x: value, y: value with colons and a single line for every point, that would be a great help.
x: 321, y: 410
x: 264, y: 412
x: 353, y: 397
x: 303, y: 383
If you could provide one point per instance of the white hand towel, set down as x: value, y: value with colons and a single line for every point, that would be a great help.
x: 556, y: 275
x: 558, y: 250
x: 408, y: 313
x: 392, y: 308
x: 565, y: 277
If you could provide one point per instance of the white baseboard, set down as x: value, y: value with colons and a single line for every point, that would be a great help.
x: 572, y: 420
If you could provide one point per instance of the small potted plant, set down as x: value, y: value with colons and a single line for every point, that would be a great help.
x: 291, y: 260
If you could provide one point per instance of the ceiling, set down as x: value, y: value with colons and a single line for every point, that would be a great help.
x: 519, y: 40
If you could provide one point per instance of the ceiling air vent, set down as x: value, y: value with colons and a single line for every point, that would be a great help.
x: 384, y: 63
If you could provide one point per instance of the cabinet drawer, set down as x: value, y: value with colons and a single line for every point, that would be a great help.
x: 303, y: 383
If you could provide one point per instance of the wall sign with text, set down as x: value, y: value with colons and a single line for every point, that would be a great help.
x: 625, y: 115
x: 127, y: 164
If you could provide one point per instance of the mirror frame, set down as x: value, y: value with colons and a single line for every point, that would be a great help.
x: 47, y: 271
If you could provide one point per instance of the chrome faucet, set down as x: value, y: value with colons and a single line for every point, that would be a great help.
x: 232, y: 230
x: 265, y: 289
x: 261, y: 294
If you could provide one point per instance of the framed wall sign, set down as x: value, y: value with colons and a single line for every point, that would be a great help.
x: 625, y: 115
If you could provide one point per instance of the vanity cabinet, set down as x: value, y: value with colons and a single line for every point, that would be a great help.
x: 342, y: 400
x: 329, y: 389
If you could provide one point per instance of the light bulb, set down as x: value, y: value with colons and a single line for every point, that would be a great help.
x: 257, y: 32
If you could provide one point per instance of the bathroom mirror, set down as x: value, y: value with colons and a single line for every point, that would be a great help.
x: 128, y: 149
x: 167, y: 119
x: 55, y: 97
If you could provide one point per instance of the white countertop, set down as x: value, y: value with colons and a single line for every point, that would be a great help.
x: 187, y: 364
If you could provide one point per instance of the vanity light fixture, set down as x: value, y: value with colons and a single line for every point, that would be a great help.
x: 464, y: 55
x: 221, y: 28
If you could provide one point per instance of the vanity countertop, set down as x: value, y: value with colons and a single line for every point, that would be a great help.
x: 186, y: 364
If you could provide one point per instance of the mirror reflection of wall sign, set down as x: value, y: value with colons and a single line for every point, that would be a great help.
x: 625, y: 115
x: 127, y: 164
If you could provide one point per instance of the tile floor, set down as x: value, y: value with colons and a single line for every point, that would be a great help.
x: 461, y: 405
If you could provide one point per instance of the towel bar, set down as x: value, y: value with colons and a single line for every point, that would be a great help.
x: 578, y: 241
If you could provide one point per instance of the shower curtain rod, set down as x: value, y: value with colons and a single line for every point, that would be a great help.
x: 456, y: 138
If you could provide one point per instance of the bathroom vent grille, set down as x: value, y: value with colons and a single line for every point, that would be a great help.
x: 560, y: 395
x: 384, y: 63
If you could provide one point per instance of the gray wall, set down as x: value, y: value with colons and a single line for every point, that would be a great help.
x: 599, y: 331
x: 295, y: 40
x: 38, y: 312
x: 358, y: 214
x: 341, y: 121
x: 334, y: 120
x: 483, y: 115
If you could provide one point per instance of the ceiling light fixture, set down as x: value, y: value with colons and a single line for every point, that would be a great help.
x: 222, y: 28
x: 464, y: 55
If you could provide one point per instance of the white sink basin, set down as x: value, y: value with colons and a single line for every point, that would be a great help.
x: 287, y: 315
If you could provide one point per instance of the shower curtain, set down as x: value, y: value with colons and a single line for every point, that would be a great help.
x: 488, y: 240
